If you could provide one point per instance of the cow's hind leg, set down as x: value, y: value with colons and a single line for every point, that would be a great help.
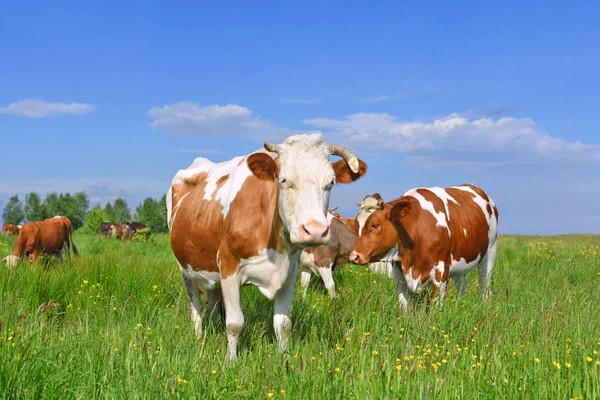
x: 327, y: 277
x: 305, y: 279
x: 460, y: 281
x: 214, y: 304
x: 196, y: 305
x: 485, y: 271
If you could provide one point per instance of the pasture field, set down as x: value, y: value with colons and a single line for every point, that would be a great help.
x: 114, y: 324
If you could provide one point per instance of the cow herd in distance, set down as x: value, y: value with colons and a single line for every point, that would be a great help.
x: 261, y: 218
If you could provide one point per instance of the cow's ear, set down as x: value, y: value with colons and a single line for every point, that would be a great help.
x: 263, y: 166
x: 399, y: 211
x: 343, y: 173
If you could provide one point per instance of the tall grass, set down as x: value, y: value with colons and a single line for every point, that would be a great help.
x: 114, y: 324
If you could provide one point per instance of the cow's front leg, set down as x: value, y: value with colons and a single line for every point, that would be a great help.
x: 305, y: 279
x: 401, y: 287
x: 230, y: 289
x: 282, y: 322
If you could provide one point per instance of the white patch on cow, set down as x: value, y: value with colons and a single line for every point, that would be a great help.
x: 206, y: 279
x: 58, y: 216
x: 465, y: 232
x: 19, y: 226
x: 237, y: 176
x: 439, y: 267
x: 414, y: 285
x: 234, y: 320
x: 327, y: 278
x: 268, y: 271
x: 461, y: 266
x: 305, y: 279
x: 440, y: 217
x: 330, y: 217
x: 11, y: 261
x: 367, y: 207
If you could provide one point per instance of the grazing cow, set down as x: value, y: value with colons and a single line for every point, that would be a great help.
x: 135, y: 226
x: 121, y: 231
x: 51, y: 236
x: 432, y: 234
x: 326, y: 259
x: 10, y: 229
x: 246, y: 221
x: 105, y: 228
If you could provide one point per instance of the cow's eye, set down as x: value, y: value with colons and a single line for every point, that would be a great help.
x: 375, y: 226
x: 329, y: 185
x: 284, y: 183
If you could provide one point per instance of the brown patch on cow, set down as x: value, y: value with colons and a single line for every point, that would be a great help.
x: 195, y: 226
x: 252, y: 224
x: 480, y: 192
x: 343, y: 173
x: 196, y: 179
x: 496, y: 212
x: 263, y: 166
x: 438, y: 275
x: 489, y: 209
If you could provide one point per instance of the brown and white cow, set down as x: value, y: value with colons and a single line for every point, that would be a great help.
x: 246, y: 221
x: 121, y: 231
x: 51, y: 236
x: 324, y: 260
x: 10, y: 229
x: 135, y: 226
x: 433, y: 234
x: 105, y: 228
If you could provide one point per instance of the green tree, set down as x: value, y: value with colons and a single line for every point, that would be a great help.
x: 153, y: 213
x: 92, y: 220
x: 13, y: 211
x: 34, y: 209
x: 109, y: 212
x: 51, y: 205
x: 121, y: 211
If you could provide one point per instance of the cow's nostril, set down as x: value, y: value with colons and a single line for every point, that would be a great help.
x: 305, y: 230
x: 325, y: 233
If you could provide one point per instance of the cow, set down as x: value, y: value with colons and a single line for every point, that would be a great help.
x: 105, y: 228
x: 247, y: 220
x: 51, y: 236
x: 135, y: 226
x: 432, y: 234
x: 121, y: 231
x: 326, y: 259
x: 10, y: 229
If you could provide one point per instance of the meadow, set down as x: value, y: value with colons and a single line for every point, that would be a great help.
x: 114, y: 324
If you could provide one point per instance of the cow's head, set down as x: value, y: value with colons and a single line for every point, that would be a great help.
x: 381, y: 232
x: 306, y: 176
x: 367, y: 206
x: 11, y: 261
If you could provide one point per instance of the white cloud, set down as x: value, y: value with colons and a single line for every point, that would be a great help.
x: 403, y: 96
x: 35, y: 108
x: 457, y: 141
x: 190, y: 119
x: 302, y: 101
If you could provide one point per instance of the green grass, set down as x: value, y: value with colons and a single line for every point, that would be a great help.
x: 118, y: 327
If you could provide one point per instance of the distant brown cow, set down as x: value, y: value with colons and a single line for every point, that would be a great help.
x: 121, y: 231
x: 105, y: 228
x: 51, y: 236
x: 135, y: 226
x: 10, y: 229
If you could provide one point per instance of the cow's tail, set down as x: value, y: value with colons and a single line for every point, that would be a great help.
x: 72, y: 243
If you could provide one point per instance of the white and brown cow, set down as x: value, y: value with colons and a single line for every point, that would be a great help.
x: 10, y: 229
x: 246, y: 221
x: 433, y: 234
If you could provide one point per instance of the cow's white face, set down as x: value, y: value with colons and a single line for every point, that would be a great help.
x: 305, y: 181
x: 11, y: 261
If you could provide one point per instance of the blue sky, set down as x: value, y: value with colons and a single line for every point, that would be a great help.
x: 114, y: 98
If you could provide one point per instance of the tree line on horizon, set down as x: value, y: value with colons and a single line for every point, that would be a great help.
x: 76, y: 207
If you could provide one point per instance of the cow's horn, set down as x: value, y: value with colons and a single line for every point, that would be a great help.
x: 358, y: 203
x: 273, y: 148
x: 333, y: 209
x: 346, y: 155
